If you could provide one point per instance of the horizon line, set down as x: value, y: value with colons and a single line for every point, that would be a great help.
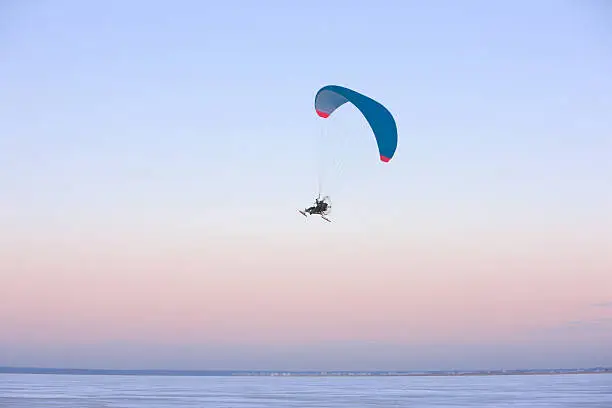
x: 273, y: 372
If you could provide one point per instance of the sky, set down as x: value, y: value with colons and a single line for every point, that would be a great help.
x: 153, y: 156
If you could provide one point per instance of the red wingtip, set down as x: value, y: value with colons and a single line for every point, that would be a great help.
x: 322, y: 114
x: 384, y: 158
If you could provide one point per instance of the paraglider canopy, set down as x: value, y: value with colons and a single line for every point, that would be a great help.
x: 331, y: 97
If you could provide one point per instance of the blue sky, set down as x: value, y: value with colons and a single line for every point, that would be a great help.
x: 512, y: 96
x: 138, y: 126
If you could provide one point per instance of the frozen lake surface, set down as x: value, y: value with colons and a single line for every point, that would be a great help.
x: 99, y: 391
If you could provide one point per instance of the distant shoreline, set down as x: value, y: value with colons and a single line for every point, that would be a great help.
x: 310, y: 373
